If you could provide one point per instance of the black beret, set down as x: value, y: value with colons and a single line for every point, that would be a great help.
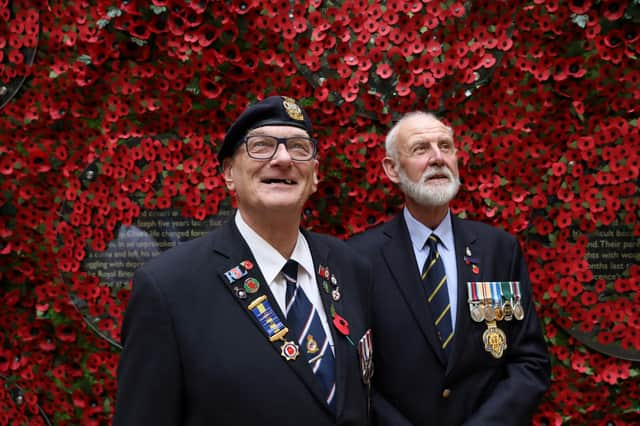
x: 272, y: 111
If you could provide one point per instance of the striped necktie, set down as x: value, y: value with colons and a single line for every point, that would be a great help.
x: 304, y: 321
x: 434, y: 280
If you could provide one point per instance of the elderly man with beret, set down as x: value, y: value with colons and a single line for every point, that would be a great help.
x: 258, y: 322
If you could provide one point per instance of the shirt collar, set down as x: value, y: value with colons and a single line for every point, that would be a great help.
x: 268, y: 258
x: 418, y: 232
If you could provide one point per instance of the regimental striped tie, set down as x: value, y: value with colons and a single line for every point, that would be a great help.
x: 304, y: 321
x: 434, y: 280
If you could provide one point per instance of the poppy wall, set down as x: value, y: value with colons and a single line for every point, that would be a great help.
x: 113, y: 110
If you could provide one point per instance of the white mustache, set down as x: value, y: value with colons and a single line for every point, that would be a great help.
x: 435, y: 171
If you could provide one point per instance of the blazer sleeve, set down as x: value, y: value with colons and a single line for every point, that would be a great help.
x: 528, y: 370
x: 149, y: 372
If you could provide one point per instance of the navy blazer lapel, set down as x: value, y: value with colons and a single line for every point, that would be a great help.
x: 321, y: 262
x: 398, y: 253
x: 465, y: 239
x: 233, y: 273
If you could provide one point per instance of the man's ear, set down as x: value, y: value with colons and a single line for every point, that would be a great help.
x: 227, y: 172
x: 316, y: 180
x: 389, y: 166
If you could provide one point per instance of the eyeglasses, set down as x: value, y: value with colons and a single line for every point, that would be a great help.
x: 264, y: 147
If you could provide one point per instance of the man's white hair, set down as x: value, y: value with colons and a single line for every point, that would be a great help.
x: 391, y: 141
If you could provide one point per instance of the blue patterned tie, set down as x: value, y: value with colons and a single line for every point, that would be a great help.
x: 304, y: 322
x: 434, y: 280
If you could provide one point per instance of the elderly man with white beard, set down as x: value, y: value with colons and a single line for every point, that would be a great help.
x: 457, y: 337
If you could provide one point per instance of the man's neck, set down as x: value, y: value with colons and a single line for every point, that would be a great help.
x: 280, y: 231
x: 429, y: 216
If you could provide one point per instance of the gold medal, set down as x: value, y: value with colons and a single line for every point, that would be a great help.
x: 494, y: 339
x: 499, y: 313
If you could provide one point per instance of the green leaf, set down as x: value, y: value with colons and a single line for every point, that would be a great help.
x: 85, y: 59
x: 157, y: 9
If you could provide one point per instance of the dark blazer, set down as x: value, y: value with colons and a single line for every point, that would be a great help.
x: 195, y: 355
x: 413, y: 385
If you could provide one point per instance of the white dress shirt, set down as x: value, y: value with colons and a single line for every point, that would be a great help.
x: 419, y: 234
x: 271, y: 262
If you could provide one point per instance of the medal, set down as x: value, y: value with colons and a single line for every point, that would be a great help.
x: 496, y: 296
x: 271, y: 324
x: 365, y: 353
x: 489, y: 312
x: 476, y: 312
x: 507, y: 296
x: 494, y: 339
x: 475, y: 308
x: 289, y: 350
x: 518, y: 311
x: 508, y: 310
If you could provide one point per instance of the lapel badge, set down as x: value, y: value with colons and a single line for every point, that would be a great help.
x: 240, y: 293
x: 467, y: 251
x: 469, y: 259
x: 251, y: 285
x: 334, y: 281
x: 324, y: 272
x: 340, y: 323
x: 325, y: 286
x: 335, y: 294
x: 247, y: 264
x: 235, y: 273
x: 475, y: 269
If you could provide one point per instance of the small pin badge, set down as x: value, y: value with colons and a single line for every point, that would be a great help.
x: 247, y: 264
x: 467, y: 251
x: 334, y: 281
x: 323, y: 271
x: 475, y: 269
x: 235, y: 273
x: 325, y: 286
x: 335, y: 294
x: 251, y: 285
x: 239, y: 292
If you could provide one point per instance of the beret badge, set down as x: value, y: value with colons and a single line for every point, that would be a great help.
x: 292, y: 108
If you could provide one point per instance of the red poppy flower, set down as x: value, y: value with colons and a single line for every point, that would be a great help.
x: 340, y: 324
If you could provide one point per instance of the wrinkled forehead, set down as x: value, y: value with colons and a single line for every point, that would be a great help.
x: 424, y: 128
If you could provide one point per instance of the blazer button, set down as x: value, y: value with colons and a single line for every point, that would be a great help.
x: 446, y: 393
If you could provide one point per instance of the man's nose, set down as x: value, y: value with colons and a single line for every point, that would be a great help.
x: 437, y: 157
x: 281, y: 154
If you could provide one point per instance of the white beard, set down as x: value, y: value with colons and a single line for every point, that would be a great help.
x: 429, y: 195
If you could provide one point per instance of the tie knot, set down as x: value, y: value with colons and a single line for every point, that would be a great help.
x: 290, y: 271
x: 432, y: 242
